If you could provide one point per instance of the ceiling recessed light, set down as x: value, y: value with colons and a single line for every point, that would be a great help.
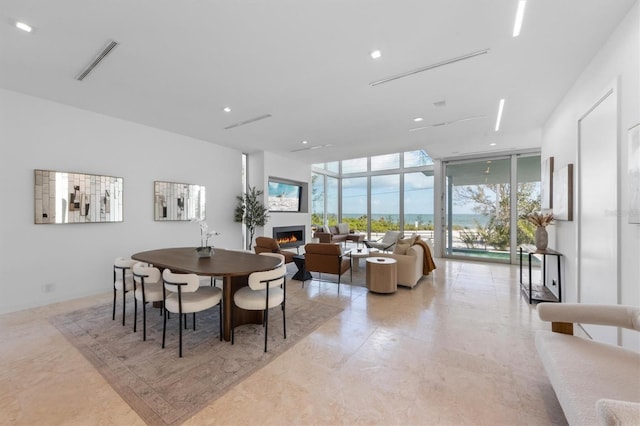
x: 499, y: 118
x: 23, y: 26
x: 376, y: 54
x: 492, y: 144
x: 226, y: 109
x: 418, y: 119
x: 519, y: 17
x: 305, y: 142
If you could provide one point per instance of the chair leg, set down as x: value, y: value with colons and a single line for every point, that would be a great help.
x: 135, y: 314
x: 220, y: 309
x: 124, y: 298
x: 144, y: 322
x: 233, y: 328
x: 164, y: 327
x: 114, y: 304
x: 266, y: 327
x: 180, y: 331
x: 284, y: 322
x: 194, y: 321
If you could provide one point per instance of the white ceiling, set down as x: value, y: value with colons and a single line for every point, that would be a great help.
x: 306, y: 62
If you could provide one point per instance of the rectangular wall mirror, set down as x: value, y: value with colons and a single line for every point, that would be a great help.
x: 178, y: 201
x: 64, y: 197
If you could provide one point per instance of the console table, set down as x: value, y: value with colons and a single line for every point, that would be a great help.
x: 540, y: 292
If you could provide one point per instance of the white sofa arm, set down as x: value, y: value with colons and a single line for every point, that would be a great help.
x: 614, y: 315
x: 612, y: 412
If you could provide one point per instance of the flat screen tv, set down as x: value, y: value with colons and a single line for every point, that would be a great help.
x: 284, y: 197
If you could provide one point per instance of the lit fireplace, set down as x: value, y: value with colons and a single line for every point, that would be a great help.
x: 289, y: 236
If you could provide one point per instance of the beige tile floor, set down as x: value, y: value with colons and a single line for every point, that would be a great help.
x: 455, y: 350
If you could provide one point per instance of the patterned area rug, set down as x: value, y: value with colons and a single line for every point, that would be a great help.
x: 165, y: 389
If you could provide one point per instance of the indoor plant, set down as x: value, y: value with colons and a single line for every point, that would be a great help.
x: 205, y: 250
x: 251, y: 212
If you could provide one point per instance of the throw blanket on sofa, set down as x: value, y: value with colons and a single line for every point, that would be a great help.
x: 429, y: 264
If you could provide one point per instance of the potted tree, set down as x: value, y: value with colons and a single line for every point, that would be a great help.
x: 251, y: 212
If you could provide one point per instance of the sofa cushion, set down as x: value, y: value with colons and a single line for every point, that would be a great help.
x: 343, y: 228
x: 402, y: 246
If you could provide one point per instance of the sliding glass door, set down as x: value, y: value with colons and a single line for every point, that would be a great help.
x: 481, y: 210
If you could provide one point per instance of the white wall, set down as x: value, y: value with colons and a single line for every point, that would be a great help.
x: 618, y: 60
x: 77, y: 259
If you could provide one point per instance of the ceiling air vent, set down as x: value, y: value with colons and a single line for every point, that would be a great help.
x: 430, y: 67
x: 446, y: 123
x: 85, y: 72
x: 311, y: 148
x: 251, y: 120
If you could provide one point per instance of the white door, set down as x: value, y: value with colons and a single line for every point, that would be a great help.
x: 598, y: 209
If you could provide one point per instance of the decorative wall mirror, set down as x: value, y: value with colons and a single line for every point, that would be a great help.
x: 178, y: 201
x: 64, y: 197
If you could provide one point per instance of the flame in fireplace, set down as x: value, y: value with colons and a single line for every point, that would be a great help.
x: 288, y: 239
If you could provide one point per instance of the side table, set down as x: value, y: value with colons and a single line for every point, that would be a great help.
x: 382, y: 274
x: 302, y: 274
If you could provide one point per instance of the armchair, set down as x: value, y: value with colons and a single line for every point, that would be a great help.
x: 327, y: 258
x: 270, y: 245
x: 595, y: 382
x: 386, y: 243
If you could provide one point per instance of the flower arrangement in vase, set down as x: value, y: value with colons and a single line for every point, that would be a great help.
x: 541, y: 221
x: 205, y: 250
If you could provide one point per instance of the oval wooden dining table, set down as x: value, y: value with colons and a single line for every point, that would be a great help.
x: 233, y: 266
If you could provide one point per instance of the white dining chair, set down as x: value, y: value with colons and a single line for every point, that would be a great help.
x: 147, y: 288
x: 122, y: 281
x: 266, y: 290
x: 183, y: 295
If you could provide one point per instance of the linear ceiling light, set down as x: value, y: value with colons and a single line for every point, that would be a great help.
x: 430, y: 67
x: 519, y: 17
x: 251, y: 120
x: 446, y: 123
x: 500, y: 108
x: 83, y: 74
x: 23, y: 26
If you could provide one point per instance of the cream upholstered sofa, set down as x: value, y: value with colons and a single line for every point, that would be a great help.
x: 596, y: 383
x: 410, y: 264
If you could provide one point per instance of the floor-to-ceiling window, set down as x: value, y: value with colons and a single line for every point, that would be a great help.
x: 331, y: 201
x: 528, y: 198
x: 418, y: 203
x: 317, y: 199
x: 372, y: 193
x: 385, y: 204
x: 354, y: 203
